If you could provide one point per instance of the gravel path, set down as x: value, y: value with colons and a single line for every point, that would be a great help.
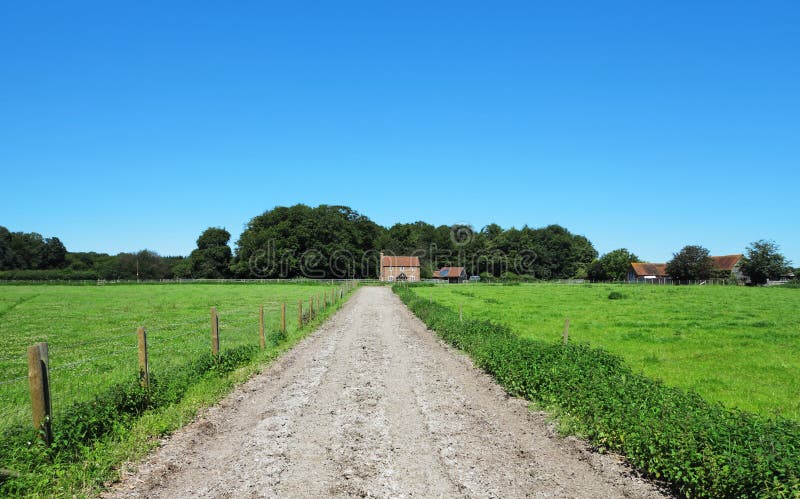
x: 373, y: 404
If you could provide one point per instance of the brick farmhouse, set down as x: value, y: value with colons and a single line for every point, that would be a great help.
x: 399, y: 268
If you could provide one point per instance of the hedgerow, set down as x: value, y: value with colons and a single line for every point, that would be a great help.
x: 701, y: 449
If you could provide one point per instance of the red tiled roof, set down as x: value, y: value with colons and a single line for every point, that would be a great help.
x: 654, y: 269
x: 726, y: 262
x: 399, y: 261
x: 448, y: 272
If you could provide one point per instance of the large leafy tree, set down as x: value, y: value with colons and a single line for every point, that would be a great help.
x: 613, y: 266
x: 762, y: 260
x: 690, y: 263
x: 27, y: 249
x: 326, y: 241
x: 212, y: 258
x: 54, y: 254
x: 6, y: 253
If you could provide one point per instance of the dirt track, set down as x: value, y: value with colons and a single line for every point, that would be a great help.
x: 373, y: 404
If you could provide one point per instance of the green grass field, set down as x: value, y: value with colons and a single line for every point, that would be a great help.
x: 91, y: 331
x: 736, y: 345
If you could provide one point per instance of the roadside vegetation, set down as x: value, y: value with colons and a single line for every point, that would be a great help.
x: 101, y: 414
x: 731, y: 344
x: 701, y: 448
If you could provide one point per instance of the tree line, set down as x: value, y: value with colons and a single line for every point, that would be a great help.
x: 338, y: 242
x: 29, y: 256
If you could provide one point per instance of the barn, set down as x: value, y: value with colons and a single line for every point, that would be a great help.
x: 728, y: 265
x: 647, y: 272
x: 724, y: 266
x: 453, y: 275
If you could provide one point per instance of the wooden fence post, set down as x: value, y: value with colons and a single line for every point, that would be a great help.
x: 144, y: 363
x: 283, y: 318
x: 38, y: 362
x: 214, y: 332
x: 262, y: 339
x: 566, y: 331
x: 299, y: 314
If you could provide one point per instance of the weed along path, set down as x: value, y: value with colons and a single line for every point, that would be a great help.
x: 373, y: 404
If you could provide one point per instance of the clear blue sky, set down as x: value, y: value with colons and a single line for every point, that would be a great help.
x: 646, y: 125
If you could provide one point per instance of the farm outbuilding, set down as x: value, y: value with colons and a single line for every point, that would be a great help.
x: 453, y: 275
x: 723, y: 266
x: 647, y: 271
x: 729, y: 264
x: 399, y: 268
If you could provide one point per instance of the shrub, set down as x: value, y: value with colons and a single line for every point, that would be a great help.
x: 701, y: 449
x: 615, y: 295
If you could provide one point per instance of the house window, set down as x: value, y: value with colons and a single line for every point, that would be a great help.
x: 412, y: 278
x: 391, y: 278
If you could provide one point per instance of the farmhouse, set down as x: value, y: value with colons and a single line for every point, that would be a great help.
x: 452, y: 275
x: 399, y: 268
x: 724, y: 266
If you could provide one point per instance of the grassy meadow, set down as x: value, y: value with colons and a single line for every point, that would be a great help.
x: 91, y: 332
x: 736, y: 345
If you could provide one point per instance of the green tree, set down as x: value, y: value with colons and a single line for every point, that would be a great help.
x: 213, y: 237
x: 212, y: 258
x: 6, y: 253
x: 763, y: 261
x: 613, y: 266
x: 690, y: 263
x: 175, y: 264
x: 326, y: 241
x: 182, y: 269
x: 151, y: 265
x: 54, y: 254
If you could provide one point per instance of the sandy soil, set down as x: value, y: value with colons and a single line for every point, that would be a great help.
x: 374, y: 405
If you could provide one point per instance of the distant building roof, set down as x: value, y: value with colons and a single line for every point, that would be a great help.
x: 399, y: 261
x: 654, y: 269
x: 727, y: 262
x: 448, y: 272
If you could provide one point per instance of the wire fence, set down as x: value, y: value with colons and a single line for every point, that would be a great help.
x: 80, y: 370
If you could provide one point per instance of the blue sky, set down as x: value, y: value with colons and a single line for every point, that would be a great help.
x: 646, y: 125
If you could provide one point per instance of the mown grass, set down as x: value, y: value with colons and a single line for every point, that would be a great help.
x: 101, y: 416
x: 739, y: 346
